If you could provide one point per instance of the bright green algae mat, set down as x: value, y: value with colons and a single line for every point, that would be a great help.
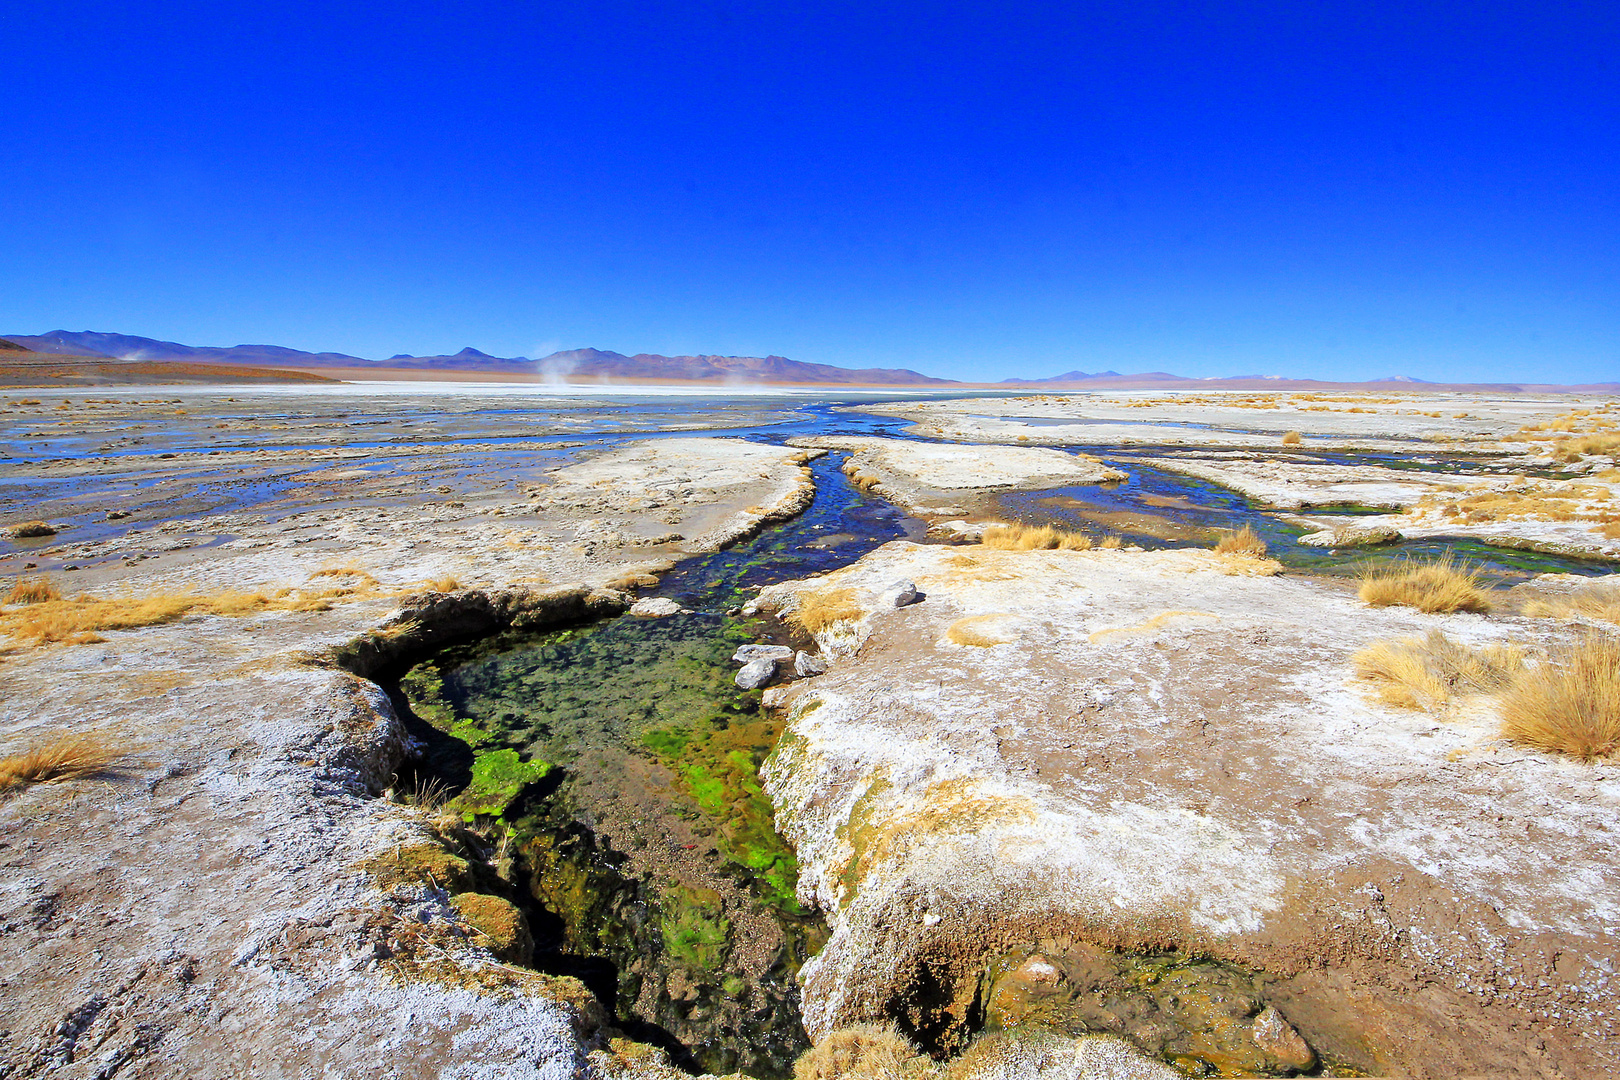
x: 660, y: 686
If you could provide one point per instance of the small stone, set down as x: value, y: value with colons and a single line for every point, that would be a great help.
x: 114, y: 515
x: 28, y: 529
x: 899, y: 594
x: 1277, y: 1037
x: 756, y: 673
x: 749, y: 653
x: 805, y: 665
x: 655, y: 607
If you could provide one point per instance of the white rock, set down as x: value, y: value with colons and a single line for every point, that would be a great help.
x: 756, y: 673
x: 655, y: 607
x: 749, y: 653
x: 805, y: 665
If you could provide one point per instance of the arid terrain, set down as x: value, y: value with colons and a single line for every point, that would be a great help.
x: 1122, y: 746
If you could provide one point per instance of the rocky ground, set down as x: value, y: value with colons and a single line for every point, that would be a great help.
x: 1117, y: 790
x: 221, y: 901
x: 1167, y: 752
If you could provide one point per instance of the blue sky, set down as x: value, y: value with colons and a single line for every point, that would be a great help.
x: 1333, y: 190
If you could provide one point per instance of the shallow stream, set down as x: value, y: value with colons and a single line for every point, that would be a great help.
x: 649, y: 851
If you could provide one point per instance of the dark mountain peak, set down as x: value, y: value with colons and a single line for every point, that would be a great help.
x: 471, y: 353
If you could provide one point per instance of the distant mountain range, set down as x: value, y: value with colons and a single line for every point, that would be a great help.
x: 585, y: 364
x: 597, y: 365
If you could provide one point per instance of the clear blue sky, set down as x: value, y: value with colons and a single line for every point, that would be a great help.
x: 1318, y: 189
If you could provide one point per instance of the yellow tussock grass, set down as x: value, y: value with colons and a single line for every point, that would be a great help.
x: 817, y: 611
x: 1017, y: 537
x: 1151, y: 624
x: 1570, y: 704
x: 982, y: 631
x: 35, y: 590
x: 76, y: 621
x: 1600, y: 600
x: 1244, y: 541
x: 1291, y: 438
x: 863, y: 1052
x: 1441, y: 585
x: 1111, y: 543
x: 1427, y: 672
x: 448, y: 583
x: 65, y: 757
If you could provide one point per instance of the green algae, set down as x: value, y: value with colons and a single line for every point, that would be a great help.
x: 694, y: 927
x: 498, y: 776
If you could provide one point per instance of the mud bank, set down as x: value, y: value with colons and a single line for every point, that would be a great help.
x: 1158, y: 753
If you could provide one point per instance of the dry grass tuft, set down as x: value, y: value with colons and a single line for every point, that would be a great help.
x: 35, y: 590
x: 1243, y: 542
x: 1599, y: 600
x: 1111, y: 543
x: 982, y: 631
x: 448, y: 583
x: 1017, y: 537
x: 72, y: 756
x: 1569, y: 704
x: 1428, y: 672
x: 1291, y: 438
x: 76, y: 621
x: 863, y: 1052
x: 817, y: 611
x: 1442, y: 585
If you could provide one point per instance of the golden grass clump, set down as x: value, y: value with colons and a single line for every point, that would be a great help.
x: 1291, y: 438
x: 1598, y: 600
x: 448, y: 583
x: 1572, y: 449
x: 982, y: 631
x: 1018, y: 537
x: 35, y: 590
x: 71, y: 756
x: 1427, y: 672
x: 1111, y: 543
x: 1244, y: 541
x: 863, y: 1052
x: 1440, y: 585
x: 76, y: 621
x: 817, y: 611
x: 1569, y: 704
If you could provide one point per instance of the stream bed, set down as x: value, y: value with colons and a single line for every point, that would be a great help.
x: 648, y: 852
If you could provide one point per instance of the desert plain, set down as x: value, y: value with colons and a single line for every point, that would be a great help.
x: 1115, y: 734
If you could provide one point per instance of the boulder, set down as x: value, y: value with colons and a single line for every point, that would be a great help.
x: 899, y: 594
x: 756, y: 674
x: 805, y: 665
x: 748, y: 653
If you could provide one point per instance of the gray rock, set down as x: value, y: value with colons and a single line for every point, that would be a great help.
x: 748, y: 653
x: 899, y: 594
x: 756, y: 674
x: 655, y: 607
x: 805, y: 665
x: 1353, y: 536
